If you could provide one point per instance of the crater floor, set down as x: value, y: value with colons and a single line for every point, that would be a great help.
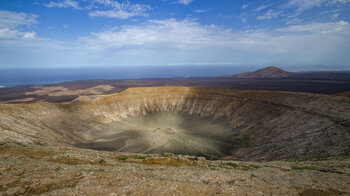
x: 173, y: 132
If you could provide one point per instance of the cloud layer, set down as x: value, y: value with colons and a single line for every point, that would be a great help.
x: 64, y: 4
x: 10, y: 21
x: 189, y: 39
x: 104, y: 8
x: 174, y: 41
x: 114, y: 9
x: 192, y: 42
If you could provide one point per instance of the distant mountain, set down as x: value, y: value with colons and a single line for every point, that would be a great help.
x: 267, y: 72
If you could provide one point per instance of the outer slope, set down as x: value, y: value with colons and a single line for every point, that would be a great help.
x: 38, y: 170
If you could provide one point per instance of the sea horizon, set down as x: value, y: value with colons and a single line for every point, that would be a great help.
x: 40, y: 76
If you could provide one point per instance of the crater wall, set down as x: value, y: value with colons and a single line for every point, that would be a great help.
x: 280, y: 125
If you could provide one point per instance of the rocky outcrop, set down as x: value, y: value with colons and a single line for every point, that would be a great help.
x: 280, y: 125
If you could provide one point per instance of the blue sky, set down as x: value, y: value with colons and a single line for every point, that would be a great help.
x: 91, y: 33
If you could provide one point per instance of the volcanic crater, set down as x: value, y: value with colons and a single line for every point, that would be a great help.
x: 217, y: 124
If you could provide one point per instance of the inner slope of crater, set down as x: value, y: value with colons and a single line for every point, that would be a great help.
x: 253, y: 125
x: 178, y: 133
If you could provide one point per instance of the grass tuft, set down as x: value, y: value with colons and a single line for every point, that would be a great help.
x: 302, y: 168
x: 234, y: 165
x: 123, y: 158
x: 101, y: 161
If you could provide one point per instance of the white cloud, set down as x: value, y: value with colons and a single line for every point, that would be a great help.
x: 109, y: 3
x: 338, y: 1
x: 201, y: 11
x: 294, y: 21
x: 335, y: 16
x: 29, y: 35
x: 243, y: 17
x: 269, y: 15
x: 121, y: 14
x: 105, y: 8
x: 185, y: 2
x: 11, y: 21
x: 64, y: 4
x: 245, y: 6
x: 303, y: 5
x: 119, y: 10
x: 226, y: 17
x: 324, y: 28
x: 159, y: 33
x: 262, y: 7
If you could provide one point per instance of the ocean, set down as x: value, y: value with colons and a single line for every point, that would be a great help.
x: 21, y: 77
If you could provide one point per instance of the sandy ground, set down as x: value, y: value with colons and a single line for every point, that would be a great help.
x: 28, y: 170
x: 62, y: 91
